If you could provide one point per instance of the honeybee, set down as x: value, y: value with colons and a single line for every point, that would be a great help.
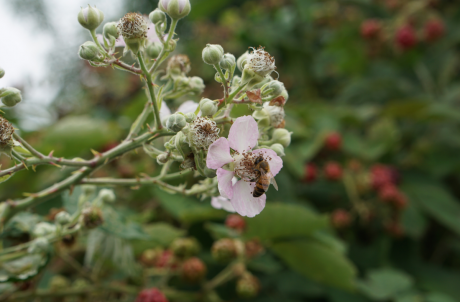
x: 264, y: 177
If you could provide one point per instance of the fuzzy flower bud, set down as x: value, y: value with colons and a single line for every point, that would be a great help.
x: 10, y: 96
x: 62, y: 218
x: 228, y: 61
x: 247, y: 286
x: 107, y: 195
x: 89, y: 51
x: 224, y: 250
x: 2, y: 72
x: 273, y: 88
x: 110, y: 31
x: 242, y: 61
x: 157, y: 16
x: 278, y: 148
x: 190, y: 116
x: 176, y: 9
x: 175, y: 122
x: 153, y: 50
x: 193, y: 270
x: 196, y: 85
x: 133, y: 27
x: 281, y: 136
x: 39, y: 245
x: 208, y: 107
x: 162, y: 158
x: 91, y: 217
x: 185, y: 247
x: 212, y: 54
x: 90, y: 17
x: 178, y: 65
x: 43, y: 229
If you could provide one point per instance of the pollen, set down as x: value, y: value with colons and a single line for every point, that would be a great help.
x: 6, y: 133
x: 133, y: 26
x: 245, y: 163
x: 204, y: 132
x: 261, y: 61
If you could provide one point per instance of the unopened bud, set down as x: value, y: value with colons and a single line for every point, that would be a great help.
x: 171, y: 46
x: 153, y: 50
x: 43, y: 229
x: 212, y: 54
x: 193, y: 270
x: 224, y: 250
x: 107, y: 195
x: 247, y: 286
x: 10, y: 96
x: 162, y: 158
x: 110, y: 31
x: 196, y: 85
x: 278, y: 148
x: 88, y: 190
x: 175, y: 122
x: 89, y: 51
x: 2, y: 72
x: 39, y: 245
x: 90, y: 17
x: 176, y: 9
x: 242, y: 61
x: 208, y: 107
x: 92, y: 217
x: 62, y: 218
x: 189, y: 117
x: 281, y: 136
x: 228, y: 61
x: 273, y: 88
x: 157, y: 16
x: 185, y: 247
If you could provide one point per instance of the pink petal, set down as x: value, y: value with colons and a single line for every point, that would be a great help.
x: 218, y: 154
x: 243, y: 134
x: 243, y: 201
x: 221, y: 202
x: 225, y: 185
x: 275, y: 162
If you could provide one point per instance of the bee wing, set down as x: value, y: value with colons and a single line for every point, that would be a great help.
x: 273, y: 181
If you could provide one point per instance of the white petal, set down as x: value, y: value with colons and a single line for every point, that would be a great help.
x: 243, y: 201
x: 243, y: 134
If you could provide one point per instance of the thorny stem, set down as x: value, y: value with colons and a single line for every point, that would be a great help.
x: 123, y: 66
x: 233, y: 94
x: 224, y: 80
x: 172, y: 28
x: 28, y: 146
x: 149, y: 84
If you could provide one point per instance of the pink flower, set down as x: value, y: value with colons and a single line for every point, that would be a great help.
x: 234, y: 157
x: 221, y: 202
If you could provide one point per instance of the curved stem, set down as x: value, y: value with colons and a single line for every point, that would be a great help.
x: 149, y: 84
x: 28, y: 146
x: 224, y: 80
x: 233, y: 94
x: 93, y: 35
x: 172, y: 28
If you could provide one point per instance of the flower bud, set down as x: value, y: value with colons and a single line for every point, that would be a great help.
x: 171, y: 46
x: 224, y: 250
x: 157, y: 16
x: 176, y: 9
x: 153, y: 50
x: 42, y: 229
x: 90, y: 17
x: 190, y: 116
x: 175, y: 122
x: 196, y: 85
x: 10, y: 96
x: 273, y: 88
x: 62, y: 218
x: 281, y: 136
x: 133, y: 27
x: 110, y: 31
x: 178, y: 65
x: 39, y: 245
x: 285, y: 95
x: 88, y: 190
x: 208, y: 107
x: 212, y: 54
x: 193, y: 270
x: 89, y: 51
x: 2, y: 72
x: 107, y: 195
x: 278, y: 148
x: 228, y: 61
x: 247, y: 286
x: 91, y: 217
x: 162, y: 158
x: 242, y: 61
x: 181, y: 144
x: 185, y: 247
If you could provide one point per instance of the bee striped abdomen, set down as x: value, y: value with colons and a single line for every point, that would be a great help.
x: 261, y: 186
x: 258, y: 191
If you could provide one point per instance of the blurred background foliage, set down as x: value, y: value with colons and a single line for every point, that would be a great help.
x: 368, y: 204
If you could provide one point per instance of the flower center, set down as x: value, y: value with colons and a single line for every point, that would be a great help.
x: 133, y: 26
x: 244, y: 165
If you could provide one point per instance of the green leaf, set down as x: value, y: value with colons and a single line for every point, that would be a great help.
x: 435, y: 201
x: 21, y: 224
x: 219, y: 231
x: 317, y: 262
x: 23, y: 268
x: 4, y: 178
x: 117, y: 224
x: 413, y: 221
x: 410, y: 297
x: 266, y: 264
x: 384, y: 284
x: 279, y: 220
x: 438, y: 297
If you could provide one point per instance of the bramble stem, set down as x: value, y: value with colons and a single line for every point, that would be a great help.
x: 93, y: 35
x: 149, y: 84
x: 233, y: 94
x: 28, y: 146
x: 172, y: 28
x: 224, y: 80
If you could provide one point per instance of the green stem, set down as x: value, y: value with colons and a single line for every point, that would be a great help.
x: 157, y: 63
x: 149, y: 84
x: 28, y: 146
x: 224, y: 80
x: 233, y: 94
x: 93, y: 35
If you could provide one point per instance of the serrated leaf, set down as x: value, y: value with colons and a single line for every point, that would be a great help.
x: 384, y: 284
x: 317, y: 262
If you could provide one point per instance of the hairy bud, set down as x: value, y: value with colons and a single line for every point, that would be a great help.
x: 89, y: 51
x: 162, y: 158
x: 153, y: 50
x: 273, y: 88
x: 90, y: 17
x: 278, y: 148
x: 176, y: 9
x: 110, y: 31
x: 196, y: 85
x: 242, y: 61
x: 175, y: 122
x: 228, y: 61
x: 281, y: 136
x: 157, y: 16
x: 208, y: 107
x: 107, y: 195
x: 62, y: 218
x: 10, y: 96
x: 212, y: 54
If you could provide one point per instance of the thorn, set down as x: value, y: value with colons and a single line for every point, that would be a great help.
x: 71, y: 189
x: 51, y: 153
x: 95, y: 153
x: 33, y: 168
x: 135, y: 188
x: 54, y: 164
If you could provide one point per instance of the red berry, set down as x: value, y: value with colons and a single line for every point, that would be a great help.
x: 166, y: 259
x: 236, y: 222
x: 333, y: 141
x: 370, y: 29
x: 310, y: 172
x: 151, y: 295
x: 406, y: 37
x: 193, y: 270
x: 388, y: 193
x: 382, y: 175
x: 434, y: 30
x: 340, y: 219
x: 333, y: 171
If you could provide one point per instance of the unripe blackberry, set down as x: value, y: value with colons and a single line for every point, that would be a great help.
x: 166, y: 260
x: 333, y: 171
x: 91, y: 217
x: 247, y: 286
x: 224, y: 250
x: 333, y: 141
x: 371, y: 29
x: 150, y: 257
x: 406, y: 37
x: 340, y: 219
x: 193, y: 270
x: 311, y: 172
x: 434, y: 29
x: 185, y: 247
x: 253, y: 248
x: 236, y: 222
x: 151, y: 295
